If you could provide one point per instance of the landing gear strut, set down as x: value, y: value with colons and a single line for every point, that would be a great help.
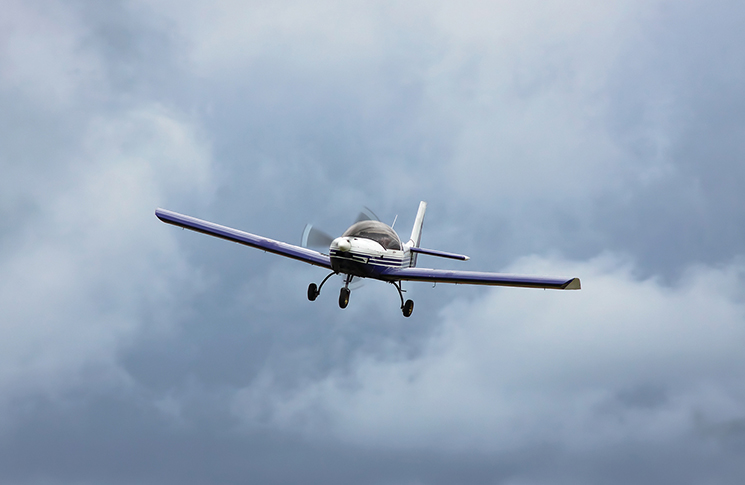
x: 407, y: 308
x: 314, y: 291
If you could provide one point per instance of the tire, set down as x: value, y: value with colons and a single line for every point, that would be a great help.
x: 344, y: 297
x: 408, y: 308
x: 312, y: 291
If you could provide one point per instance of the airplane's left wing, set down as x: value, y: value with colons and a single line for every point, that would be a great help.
x: 478, y: 278
x: 245, y: 238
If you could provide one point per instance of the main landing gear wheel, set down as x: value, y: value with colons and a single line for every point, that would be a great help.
x: 312, y: 291
x: 408, y: 308
x: 344, y: 297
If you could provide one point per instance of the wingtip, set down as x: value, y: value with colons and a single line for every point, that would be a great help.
x: 573, y: 284
x: 162, y: 214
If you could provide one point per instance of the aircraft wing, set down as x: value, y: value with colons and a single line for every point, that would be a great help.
x: 245, y: 238
x: 478, y: 278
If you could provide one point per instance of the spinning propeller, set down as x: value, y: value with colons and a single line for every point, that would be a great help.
x: 316, y: 238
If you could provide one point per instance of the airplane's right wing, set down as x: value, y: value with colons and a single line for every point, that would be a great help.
x: 245, y: 238
x: 478, y: 278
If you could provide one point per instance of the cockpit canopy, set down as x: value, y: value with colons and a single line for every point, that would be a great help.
x: 377, y: 231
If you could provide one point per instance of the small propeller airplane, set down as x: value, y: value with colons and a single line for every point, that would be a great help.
x: 368, y: 249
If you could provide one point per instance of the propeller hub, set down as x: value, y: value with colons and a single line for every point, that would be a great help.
x: 343, y: 244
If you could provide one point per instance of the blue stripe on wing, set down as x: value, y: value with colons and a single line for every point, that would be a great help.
x: 245, y: 238
x: 478, y: 278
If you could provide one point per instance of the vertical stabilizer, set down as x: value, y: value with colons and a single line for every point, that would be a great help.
x: 416, y: 232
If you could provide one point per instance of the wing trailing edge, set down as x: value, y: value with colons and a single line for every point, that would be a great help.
x: 479, y: 278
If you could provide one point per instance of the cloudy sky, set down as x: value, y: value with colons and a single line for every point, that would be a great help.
x: 603, y: 140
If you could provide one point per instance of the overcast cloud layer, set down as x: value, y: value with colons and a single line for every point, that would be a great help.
x: 599, y: 140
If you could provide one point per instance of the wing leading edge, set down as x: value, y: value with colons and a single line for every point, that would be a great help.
x: 479, y: 278
x: 245, y: 238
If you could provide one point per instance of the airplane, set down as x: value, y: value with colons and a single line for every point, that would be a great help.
x: 369, y: 249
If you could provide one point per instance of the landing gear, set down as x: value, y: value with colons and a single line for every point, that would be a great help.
x: 314, y: 291
x: 344, y: 293
x: 408, y: 308
x: 344, y: 297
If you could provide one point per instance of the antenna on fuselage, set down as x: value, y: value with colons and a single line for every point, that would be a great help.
x: 394, y: 221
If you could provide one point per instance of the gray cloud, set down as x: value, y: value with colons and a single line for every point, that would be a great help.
x: 543, y: 134
x: 637, y: 362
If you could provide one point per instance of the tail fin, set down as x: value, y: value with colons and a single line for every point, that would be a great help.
x: 416, y: 232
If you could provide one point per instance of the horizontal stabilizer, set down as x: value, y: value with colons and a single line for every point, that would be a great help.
x: 442, y: 254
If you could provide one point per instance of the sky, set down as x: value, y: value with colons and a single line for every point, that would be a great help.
x: 599, y: 140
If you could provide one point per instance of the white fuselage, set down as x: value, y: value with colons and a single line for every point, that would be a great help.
x: 364, y: 257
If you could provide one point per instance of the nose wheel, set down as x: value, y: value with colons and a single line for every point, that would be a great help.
x: 344, y: 293
x: 344, y: 297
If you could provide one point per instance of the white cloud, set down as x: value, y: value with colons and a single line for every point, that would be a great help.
x: 41, y: 54
x: 622, y: 360
x: 519, y: 90
x: 232, y: 34
x: 93, y: 267
x: 525, y: 87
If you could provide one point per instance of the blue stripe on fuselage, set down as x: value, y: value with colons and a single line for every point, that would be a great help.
x: 362, y: 265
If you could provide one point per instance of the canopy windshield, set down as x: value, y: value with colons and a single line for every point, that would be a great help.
x: 377, y: 231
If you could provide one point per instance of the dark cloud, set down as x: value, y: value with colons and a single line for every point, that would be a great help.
x: 110, y: 440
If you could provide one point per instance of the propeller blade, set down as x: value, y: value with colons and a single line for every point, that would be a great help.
x: 315, y: 238
x: 366, y: 215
